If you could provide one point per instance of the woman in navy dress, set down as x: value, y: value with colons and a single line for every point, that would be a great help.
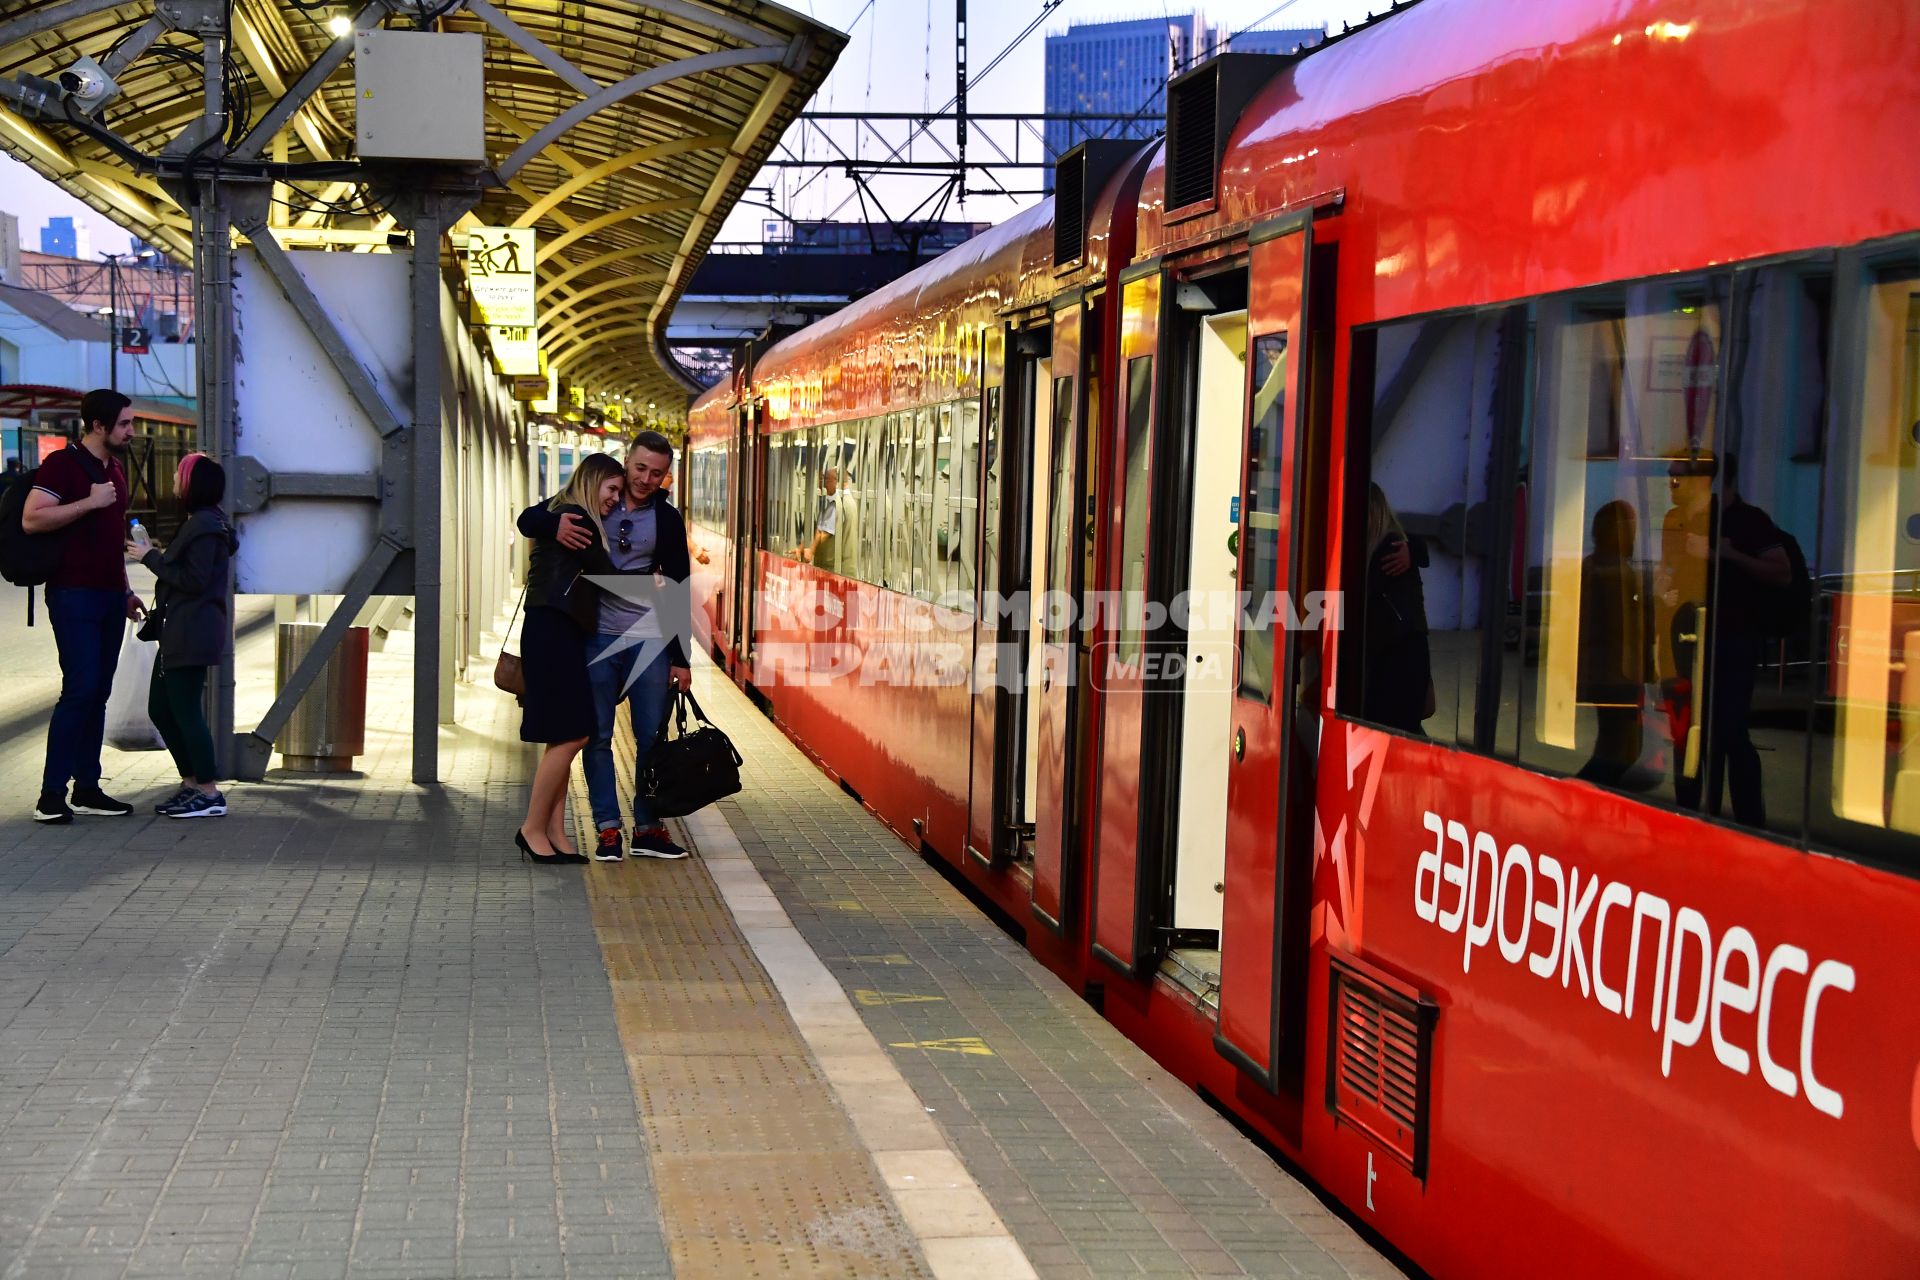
x: 562, y: 606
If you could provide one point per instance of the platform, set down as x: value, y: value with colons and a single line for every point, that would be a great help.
x: 344, y: 1032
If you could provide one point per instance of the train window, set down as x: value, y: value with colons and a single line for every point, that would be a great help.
x: 1260, y: 561
x: 1133, y: 529
x: 776, y: 492
x: 921, y: 501
x: 1062, y: 526
x: 1620, y: 489
x: 853, y: 491
x: 1705, y: 543
x: 966, y: 497
x: 873, y: 501
x: 946, y: 544
x: 1867, y: 588
x: 898, y: 443
x: 801, y: 485
x: 990, y: 508
x: 822, y: 534
x: 1423, y: 527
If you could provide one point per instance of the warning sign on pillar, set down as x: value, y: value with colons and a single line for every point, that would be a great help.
x: 500, y: 276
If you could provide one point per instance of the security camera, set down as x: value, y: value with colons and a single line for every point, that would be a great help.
x: 87, y: 85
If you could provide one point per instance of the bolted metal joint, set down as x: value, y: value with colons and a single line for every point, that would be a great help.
x: 202, y: 17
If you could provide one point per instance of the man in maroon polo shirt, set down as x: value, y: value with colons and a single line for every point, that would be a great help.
x: 81, y: 492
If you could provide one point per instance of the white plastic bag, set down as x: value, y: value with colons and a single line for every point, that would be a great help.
x: 128, y: 726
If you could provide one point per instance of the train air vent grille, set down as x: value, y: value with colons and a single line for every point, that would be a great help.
x: 1193, y: 153
x: 1378, y: 1054
x: 1069, y: 208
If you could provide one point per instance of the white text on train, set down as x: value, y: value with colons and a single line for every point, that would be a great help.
x: 1466, y: 885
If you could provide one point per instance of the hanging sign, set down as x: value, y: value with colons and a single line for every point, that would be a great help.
x: 500, y: 276
x: 516, y: 350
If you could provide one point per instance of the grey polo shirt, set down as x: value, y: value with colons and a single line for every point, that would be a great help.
x: 635, y: 526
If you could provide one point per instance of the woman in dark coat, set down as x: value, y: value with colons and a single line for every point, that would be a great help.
x: 191, y: 605
x: 562, y: 610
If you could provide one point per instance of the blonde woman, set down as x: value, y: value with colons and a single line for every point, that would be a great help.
x: 561, y: 609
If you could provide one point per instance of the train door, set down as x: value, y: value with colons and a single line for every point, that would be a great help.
x: 1049, y: 684
x: 1274, y: 701
x: 995, y: 823
x: 1214, y: 394
x: 746, y: 480
x: 1128, y: 655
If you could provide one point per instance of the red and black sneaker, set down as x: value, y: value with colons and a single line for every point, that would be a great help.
x: 608, y: 849
x: 654, y: 842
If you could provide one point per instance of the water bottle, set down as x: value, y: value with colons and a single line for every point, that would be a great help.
x: 140, y: 536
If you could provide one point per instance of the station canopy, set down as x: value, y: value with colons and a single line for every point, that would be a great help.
x: 623, y: 133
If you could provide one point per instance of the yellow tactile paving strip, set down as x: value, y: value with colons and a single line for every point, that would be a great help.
x: 759, y: 1170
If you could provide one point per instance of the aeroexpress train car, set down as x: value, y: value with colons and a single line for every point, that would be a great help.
x: 1527, y: 847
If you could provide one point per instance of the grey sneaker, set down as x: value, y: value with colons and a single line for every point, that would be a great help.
x: 198, y: 804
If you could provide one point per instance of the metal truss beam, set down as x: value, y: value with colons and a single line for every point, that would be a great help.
x: 306, y: 86
x: 613, y: 95
x: 579, y: 269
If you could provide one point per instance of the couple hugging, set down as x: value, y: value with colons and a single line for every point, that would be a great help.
x: 601, y: 630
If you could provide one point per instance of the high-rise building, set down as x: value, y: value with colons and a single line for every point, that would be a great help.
x: 1122, y: 68
x: 64, y: 238
x: 1271, y: 40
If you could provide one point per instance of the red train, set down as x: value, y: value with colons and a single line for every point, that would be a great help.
x: 1408, y: 590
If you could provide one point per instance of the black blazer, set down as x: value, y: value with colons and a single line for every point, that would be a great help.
x: 671, y: 561
x: 192, y: 590
x: 557, y: 576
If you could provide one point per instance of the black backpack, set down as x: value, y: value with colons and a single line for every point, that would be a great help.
x: 1788, y: 609
x: 31, y: 559
x: 26, y: 559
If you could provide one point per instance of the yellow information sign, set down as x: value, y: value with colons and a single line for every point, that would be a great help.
x: 516, y: 351
x: 500, y: 276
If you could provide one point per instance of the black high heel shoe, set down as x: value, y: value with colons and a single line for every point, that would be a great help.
x: 550, y: 859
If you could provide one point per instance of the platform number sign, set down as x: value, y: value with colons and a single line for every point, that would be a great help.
x: 500, y: 276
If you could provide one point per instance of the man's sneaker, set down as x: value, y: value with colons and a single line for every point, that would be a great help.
x: 52, y: 809
x: 96, y: 803
x: 198, y: 805
x: 608, y: 850
x: 654, y: 842
x: 173, y: 799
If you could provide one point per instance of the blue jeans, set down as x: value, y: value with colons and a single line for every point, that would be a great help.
x: 87, y: 625
x: 648, y: 700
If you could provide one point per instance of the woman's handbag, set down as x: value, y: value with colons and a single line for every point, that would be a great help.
x: 687, y: 773
x: 508, y: 674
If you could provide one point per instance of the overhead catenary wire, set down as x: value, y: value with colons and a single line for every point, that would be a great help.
x: 1046, y: 8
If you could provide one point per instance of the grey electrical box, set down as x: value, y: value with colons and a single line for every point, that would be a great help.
x: 420, y: 95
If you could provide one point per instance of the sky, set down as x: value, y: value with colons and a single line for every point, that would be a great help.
x: 899, y: 58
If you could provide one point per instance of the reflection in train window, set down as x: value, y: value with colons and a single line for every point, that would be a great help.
x: 1867, y: 740
x: 1422, y: 531
x: 1260, y: 522
x: 1133, y: 526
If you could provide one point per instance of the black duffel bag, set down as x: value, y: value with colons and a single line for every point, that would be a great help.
x: 689, y: 771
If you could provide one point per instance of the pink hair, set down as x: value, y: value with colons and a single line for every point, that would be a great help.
x: 184, y: 472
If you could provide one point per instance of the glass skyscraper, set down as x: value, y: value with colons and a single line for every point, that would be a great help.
x: 1123, y: 68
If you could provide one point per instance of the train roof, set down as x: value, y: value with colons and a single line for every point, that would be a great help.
x: 1637, y: 138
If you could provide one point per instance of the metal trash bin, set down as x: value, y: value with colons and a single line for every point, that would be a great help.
x: 329, y: 726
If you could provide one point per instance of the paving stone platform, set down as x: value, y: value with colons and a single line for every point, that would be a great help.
x: 345, y: 1032
x: 1100, y: 1163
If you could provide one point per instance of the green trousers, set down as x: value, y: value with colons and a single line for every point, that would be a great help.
x: 174, y: 703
